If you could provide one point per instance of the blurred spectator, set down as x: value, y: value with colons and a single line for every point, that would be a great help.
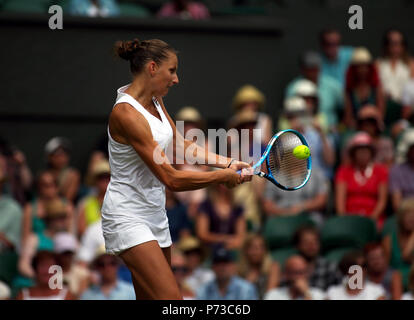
x: 399, y: 244
x: 311, y: 199
x: 219, y: 221
x: 396, y: 67
x: 5, y: 292
x: 226, y: 285
x: 92, y: 239
x: 321, y: 146
x: 402, y: 174
x: 94, y: 8
x: 10, y: 220
x: 410, y: 294
x: 197, y: 275
x: 90, y: 207
x: 362, y: 185
x: 249, y: 97
x: 180, y: 270
x: 192, y: 120
x: 256, y: 265
x: 335, y: 58
x: 180, y: 224
x: 369, y: 120
x: 34, y: 213
x: 247, y: 195
x: 57, y: 219
x: 75, y: 277
x: 98, y: 154
x: 296, y: 273
x: 379, y: 272
x: 57, y: 152
x: 368, y: 290
x: 362, y: 87
x: 109, y: 287
x: 41, y: 289
x: 407, y: 99
x: 322, y: 273
x: 17, y: 174
x: 330, y: 93
x: 184, y: 9
x: 308, y: 90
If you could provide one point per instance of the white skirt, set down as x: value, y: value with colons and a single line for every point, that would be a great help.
x: 124, y: 231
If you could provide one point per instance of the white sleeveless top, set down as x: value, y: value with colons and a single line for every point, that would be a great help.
x: 393, y: 80
x: 134, y: 191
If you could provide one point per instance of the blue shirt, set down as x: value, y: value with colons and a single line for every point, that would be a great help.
x: 238, y: 289
x: 316, y: 147
x: 330, y: 95
x: 337, y: 69
x: 121, y: 291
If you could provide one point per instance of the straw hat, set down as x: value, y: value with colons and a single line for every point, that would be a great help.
x: 189, y: 114
x: 248, y: 93
x: 102, y: 167
x: 361, y: 55
x: 305, y: 88
x: 55, y: 208
x: 371, y: 112
x: 295, y: 105
x: 243, y: 117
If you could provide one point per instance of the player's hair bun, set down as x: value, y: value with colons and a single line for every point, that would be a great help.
x: 138, y: 53
x: 127, y: 49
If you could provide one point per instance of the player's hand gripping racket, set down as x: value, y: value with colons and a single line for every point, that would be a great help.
x: 288, y: 161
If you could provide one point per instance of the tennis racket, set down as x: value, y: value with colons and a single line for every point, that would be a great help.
x: 285, y: 170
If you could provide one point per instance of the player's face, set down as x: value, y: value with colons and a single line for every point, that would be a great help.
x: 166, y: 75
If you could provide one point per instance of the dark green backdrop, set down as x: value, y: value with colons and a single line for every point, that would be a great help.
x: 63, y: 82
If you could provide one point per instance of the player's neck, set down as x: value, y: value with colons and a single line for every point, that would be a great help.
x: 139, y: 91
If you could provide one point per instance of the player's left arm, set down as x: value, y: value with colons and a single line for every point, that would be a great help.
x: 200, y: 154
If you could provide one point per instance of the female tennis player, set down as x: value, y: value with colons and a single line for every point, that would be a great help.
x: 134, y: 220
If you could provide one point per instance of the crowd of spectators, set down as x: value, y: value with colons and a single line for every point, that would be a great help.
x: 356, y: 112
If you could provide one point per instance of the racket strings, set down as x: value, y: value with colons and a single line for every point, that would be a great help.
x: 287, y: 169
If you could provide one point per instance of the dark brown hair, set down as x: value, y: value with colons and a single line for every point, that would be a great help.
x: 386, y: 40
x: 138, y: 53
x: 302, y: 230
x: 42, y: 255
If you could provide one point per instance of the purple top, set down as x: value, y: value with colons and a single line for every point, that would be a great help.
x: 217, y: 224
x: 402, y: 179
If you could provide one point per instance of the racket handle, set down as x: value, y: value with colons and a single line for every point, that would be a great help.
x: 245, y: 171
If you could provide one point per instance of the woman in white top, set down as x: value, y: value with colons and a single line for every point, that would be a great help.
x: 42, y: 290
x: 134, y: 219
x: 396, y: 67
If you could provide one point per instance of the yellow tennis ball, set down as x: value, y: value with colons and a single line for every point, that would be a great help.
x: 301, y: 152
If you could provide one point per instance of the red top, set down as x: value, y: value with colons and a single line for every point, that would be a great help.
x: 362, y: 196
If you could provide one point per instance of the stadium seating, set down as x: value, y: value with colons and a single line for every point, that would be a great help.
x: 280, y: 255
x: 133, y: 10
x: 8, y: 266
x: 347, y: 232
x: 26, y: 6
x: 335, y: 255
x: 279, y: 231
x: 390, y: 225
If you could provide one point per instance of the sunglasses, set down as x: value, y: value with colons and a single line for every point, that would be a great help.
x: 179, y: 269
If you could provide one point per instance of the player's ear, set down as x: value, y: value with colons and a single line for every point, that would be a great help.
x: 152, y: 68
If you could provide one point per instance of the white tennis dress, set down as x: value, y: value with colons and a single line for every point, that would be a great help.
x: 133, y: 210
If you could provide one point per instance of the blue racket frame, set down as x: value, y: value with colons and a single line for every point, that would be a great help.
x: 265, y: 157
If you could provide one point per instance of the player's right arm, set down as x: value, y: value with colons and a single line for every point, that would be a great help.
x: 128, y: 126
